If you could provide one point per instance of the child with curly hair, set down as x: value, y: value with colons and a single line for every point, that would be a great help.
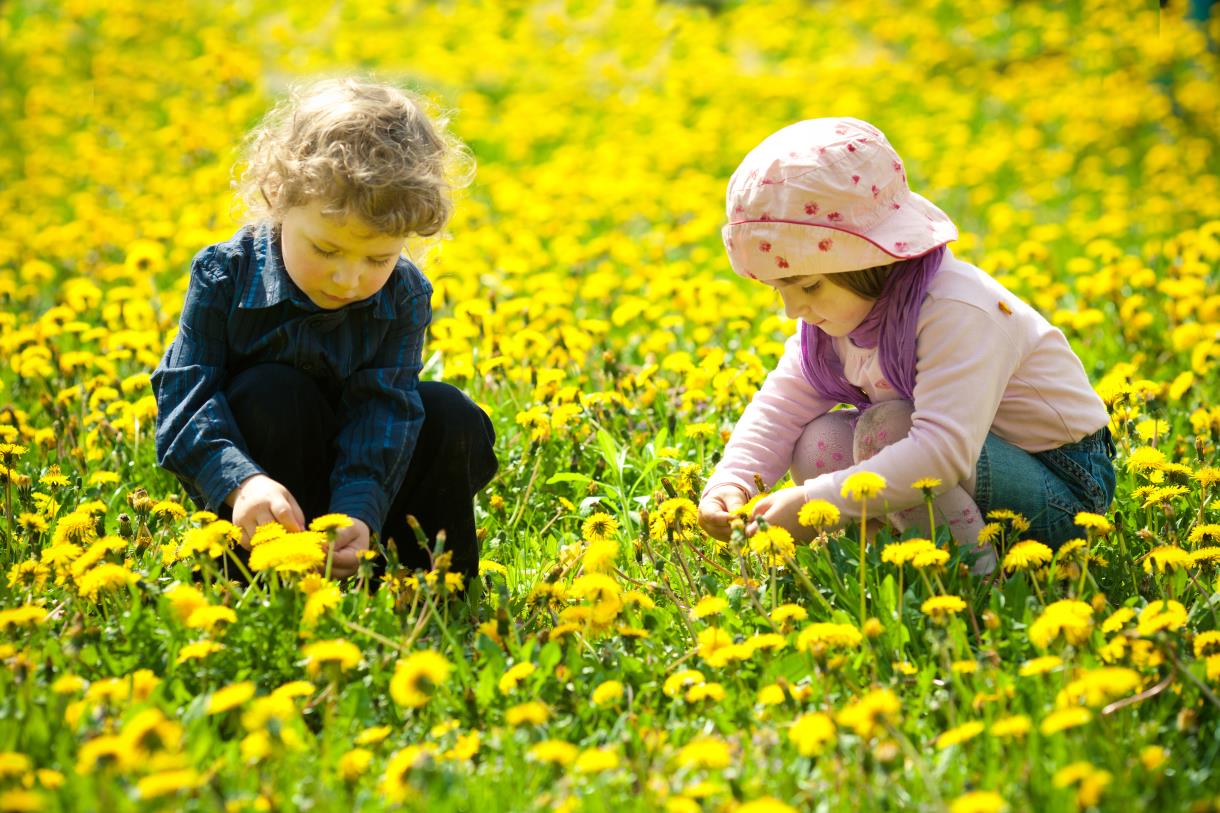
x: 292, y: 387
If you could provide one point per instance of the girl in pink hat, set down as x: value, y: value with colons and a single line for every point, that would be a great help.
x: 949, y: 377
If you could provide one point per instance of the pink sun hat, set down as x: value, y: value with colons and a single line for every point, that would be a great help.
x: 825, y: 196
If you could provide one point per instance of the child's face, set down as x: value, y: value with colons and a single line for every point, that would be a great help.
x: 817, y: 300
x: 336, y: 262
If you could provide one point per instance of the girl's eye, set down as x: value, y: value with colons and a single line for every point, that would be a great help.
x: 811, y: 288
x: 322, y: 253
x: 380, y: 260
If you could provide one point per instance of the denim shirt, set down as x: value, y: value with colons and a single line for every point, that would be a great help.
x: 243, y: 309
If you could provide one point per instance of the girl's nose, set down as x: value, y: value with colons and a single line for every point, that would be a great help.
x: 793, y: 307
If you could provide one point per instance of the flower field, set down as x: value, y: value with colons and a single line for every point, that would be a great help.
x: 612, y: 656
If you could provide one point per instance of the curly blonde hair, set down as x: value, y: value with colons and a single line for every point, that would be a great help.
x: 363, y: 148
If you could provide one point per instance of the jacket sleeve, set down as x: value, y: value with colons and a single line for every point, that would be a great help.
x: 964, y: 361
x: 381, y: 414
x: 197, y: 436
x: 764, y: 438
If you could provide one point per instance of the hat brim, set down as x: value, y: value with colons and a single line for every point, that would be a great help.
x: 773, y: 248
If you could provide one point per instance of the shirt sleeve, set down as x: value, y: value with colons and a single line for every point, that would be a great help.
x: 965, y: 359
x: 197, y: 436
x: 764, y: 438
x: 381, y: 414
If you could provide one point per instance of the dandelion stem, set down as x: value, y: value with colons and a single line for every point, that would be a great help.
x: 863, y: 552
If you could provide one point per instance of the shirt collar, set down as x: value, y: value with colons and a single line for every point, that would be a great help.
x: 269, y: 284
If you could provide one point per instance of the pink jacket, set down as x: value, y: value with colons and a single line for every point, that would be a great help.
x: 986, y: 362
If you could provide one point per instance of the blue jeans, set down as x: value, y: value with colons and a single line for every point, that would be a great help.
x: 1047, y: 488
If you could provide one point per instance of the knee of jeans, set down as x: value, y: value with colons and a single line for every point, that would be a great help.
x: 464, y: 431
x: 824, y: 445
x: 879, y: 426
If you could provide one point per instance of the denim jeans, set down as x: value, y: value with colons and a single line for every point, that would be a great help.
x: 1047, y: 488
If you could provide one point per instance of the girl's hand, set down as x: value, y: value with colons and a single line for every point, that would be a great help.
x: 350, y: 542
x: 716, y: 509
x: 259, y: 500
x: 782, y: 508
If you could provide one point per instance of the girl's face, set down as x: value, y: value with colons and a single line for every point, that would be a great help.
x: 817, y: 300
x: 336, y: 262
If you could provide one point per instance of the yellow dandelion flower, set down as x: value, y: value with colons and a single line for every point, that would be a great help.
x: 515, y: 674
x: 1063, y: 719
x: 330, y: 522
x: 607, y: 693
x: 339, y: 651
x: 105, y: 578
x: 1117, y: 620
x: 766, y: 804
x: 184, y: 599
x: 599, y: 526
x: 941, y: 608
x: 705, y: 752
x: 785, y: 613
x: 821, y: 638
x: 554, y: 752
x: 872, y: 713
x: 959, y: 734
x: 705, y: 691
x: 1040, y: 666
x: 198, y: 650
x: 416, y: 676
x: 1027, y: 555
x: 1097, y: 687
x: 1166, y: 557
x: 930, y: 558
x: 775, y: 545
x: 354, y: 763
x: 677, y: 683
x: 291, y: 553
x: 1089, y: 782
x: 900, y: 553
x: 1205, y: 531
x: 596, y: 760
x: 27, y: 615
x: 862, y: 485
x: 709, y: 606
x: 1017, y: 725
x: 394, y: 784
x: 230, y: 697
x: 1161, y: 615
x: 1094, y: 522
x: 533, y: 712
x: 812, y: 733
x: 374, y: 735
x: 818, y: 514
x: 208, y: 617
x: 1073, y: 620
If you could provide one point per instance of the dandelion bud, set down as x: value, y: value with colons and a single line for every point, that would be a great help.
x: 125, y: 529
x: 1187, y: 720
x: 873, y: 628
x: 1099, y: 602
x: 990, y: 620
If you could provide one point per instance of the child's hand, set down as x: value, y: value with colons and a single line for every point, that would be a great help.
x: 350, y: 542
x: 783, y: 508
x: 716, y: 509
x: 259, y: 500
